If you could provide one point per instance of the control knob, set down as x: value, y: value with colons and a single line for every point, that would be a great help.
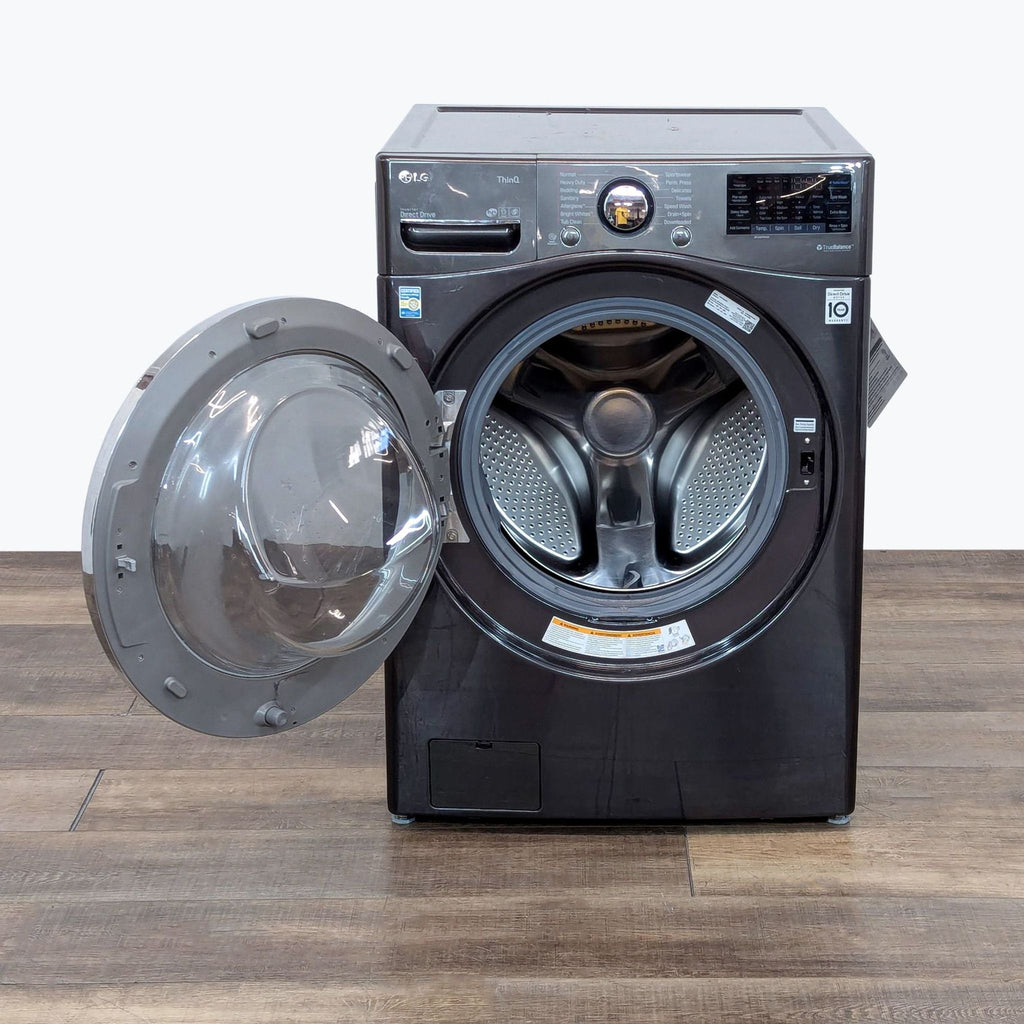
x: 625, y: 206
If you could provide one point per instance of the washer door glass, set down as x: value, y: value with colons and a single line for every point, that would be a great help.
x: 292, y: 523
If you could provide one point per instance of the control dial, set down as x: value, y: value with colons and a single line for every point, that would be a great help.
x: 625, y: 206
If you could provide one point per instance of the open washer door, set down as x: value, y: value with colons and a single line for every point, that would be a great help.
x: 265, y: 516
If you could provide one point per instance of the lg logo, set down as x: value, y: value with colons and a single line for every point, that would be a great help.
x: 406, y: 177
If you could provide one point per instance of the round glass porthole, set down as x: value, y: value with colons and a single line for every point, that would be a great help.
x: 293, y: 521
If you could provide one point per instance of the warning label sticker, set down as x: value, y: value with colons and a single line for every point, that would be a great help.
x: 736, y: 314
x: 621, y: 644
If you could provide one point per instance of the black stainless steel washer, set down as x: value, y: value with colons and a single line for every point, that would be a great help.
x: 591, y: 487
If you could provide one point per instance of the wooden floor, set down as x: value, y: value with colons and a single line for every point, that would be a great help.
x: 152, y: 874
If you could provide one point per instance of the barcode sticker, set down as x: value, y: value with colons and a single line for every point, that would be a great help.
x: 736, y: 314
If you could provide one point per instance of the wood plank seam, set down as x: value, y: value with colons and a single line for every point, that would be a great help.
x: 88, y: 797
x: 689, y: 860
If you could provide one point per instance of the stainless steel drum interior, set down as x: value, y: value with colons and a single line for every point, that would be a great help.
x: 624, y: 455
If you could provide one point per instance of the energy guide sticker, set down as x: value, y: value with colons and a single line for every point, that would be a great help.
x: 621, y: 644
x: 736, y: 314
x: 410, y: 302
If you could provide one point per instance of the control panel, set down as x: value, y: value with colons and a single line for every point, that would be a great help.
x: 448, y: 216
x: 782, y: 215
x: 789, y: 204
x: 609, y: 206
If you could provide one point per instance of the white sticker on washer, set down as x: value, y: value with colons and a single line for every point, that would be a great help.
x: 732, y: 311
x: 613, y: 643
x: 838, y: 305
x: 804, y: 425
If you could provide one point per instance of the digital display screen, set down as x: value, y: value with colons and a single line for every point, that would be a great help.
x: 768, y: 204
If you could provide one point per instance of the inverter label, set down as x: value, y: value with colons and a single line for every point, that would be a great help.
x: 620, y: 644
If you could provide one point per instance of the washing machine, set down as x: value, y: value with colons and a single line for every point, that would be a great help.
x: 590, y: 487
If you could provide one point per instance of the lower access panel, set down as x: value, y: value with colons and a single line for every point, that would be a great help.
x: 484, y: 775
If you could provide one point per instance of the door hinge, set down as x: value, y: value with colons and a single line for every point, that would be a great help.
x: 449, y: 402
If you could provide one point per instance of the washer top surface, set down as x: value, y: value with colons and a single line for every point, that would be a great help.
x: 809, y: 132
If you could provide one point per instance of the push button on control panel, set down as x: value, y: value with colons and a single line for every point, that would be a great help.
x: 570, y: 236
x: 681, y: 237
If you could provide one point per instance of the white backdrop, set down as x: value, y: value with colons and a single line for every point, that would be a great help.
x: 160, y: 162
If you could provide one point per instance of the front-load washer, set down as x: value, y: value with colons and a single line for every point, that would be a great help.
x: 591, y: 487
